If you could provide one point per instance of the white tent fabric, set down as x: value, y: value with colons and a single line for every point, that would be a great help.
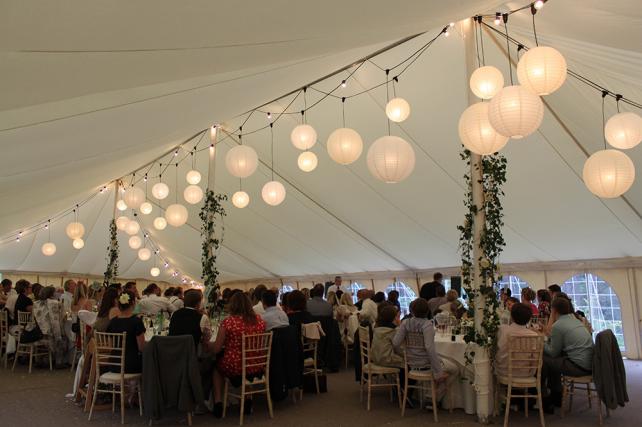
x: 93, y: 91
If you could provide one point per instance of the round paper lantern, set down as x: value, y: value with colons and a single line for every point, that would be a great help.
x: 133, y: 227
x: 176, y: 215
x: 75, y: 230
x: 155, y: 271
x: 344, y: 146
x: 486, y: 81
x: 121, y: 205
x: 542, y: 70
x: 608, y: 173
x: 476, y: 133
x: 240, y: 199
x: 160, y: 190
x: 193, y: 177
x: 515, y: 112
x: 303, y: 137
x: 48, y: 249
x: 307, y: 161
x: 146, y: 208
x: 144, y: 254
x: 397, y: 109
x: 134, y: 197
x: 624, y: 130
x: 241, y: 161
x: 193, y: 194
x: 78, y: 243
x: 160, y: 223
x: 273, y: 193
x: 391, y: 159
x: 135, y: 242
x: 121, y: 223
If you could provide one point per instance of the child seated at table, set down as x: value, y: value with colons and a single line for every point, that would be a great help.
x: 520, y: 316
x: 383, y: 352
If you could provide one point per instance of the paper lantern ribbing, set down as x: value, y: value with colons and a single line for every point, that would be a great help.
x: 391, y: 159
x: 121, y: 223
x: 303, y: 137
x: 75, y: 230
x: 160, y: 190
x: 144, y: 254
x: 241, y: 161
x: 486, y: 81
x: 624, y: 130
x: 133, y: 227
x: 515, y: 112
x: 121, y: 205
x: 240, y: 199
x: 476, y: 133
x: 176, y: 215
x: 48, y: 249
x: 160, y: 223
x: 608, y: 173
x: 146, y: 208
x: 78, y: 243
x: 155, y: 271
x: 193, y: 177
x: 397, y: 110
x: 273, y: 193
x: 134, y: 197
x: 193, y: 194
x: 307, y: 161
x: 135, y: 242
x: 542, y: 70
x: 344, y: 146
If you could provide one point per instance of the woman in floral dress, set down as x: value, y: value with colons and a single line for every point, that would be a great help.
x: 48, y: 313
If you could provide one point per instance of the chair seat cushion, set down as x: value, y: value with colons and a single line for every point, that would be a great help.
x: 376, y: 369
x: 420, y: 375
x: 114, y: 377
x: 518, y: 381
x: 587, y: 379
x: 308, y: 362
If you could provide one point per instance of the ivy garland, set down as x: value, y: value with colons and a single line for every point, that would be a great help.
x: 112, y: 254
x: 213, y: 206
x: 492, y: 243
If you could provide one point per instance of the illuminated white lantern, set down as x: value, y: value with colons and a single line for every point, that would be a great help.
x: 515, y: 112
x: 240, y: 199
x: 133, y: 227
x: 146, y: 208
x: 241, y: 161
x: 121, y: 205
x: 344, y: 146
x: 176, y: 215
x: 608, y: 173
x: 134, y: 197
x: 273, y: 193
x: 75, y: 230
x: 391, y: 159
x: 160, y: 223
x: 135, y: 242
x: 78, y: 243
x: 144, y: 254
x: 624, y: 130
x: 307, y: 161
x: 193, y: 194
x: 486, y: 81
x: 542, y: 70
x: 160, y: 190
x: 193, y: 177
x: 48, y: 249
x: 476, y: 133
x: 303, y: 137
x: 155, y: 271
x: 397, y: 109
x: 121, y: 223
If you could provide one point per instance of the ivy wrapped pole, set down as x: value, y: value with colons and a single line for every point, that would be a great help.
x: 112, y: 250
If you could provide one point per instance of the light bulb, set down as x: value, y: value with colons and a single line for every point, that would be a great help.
x: 121, y: 205
x: 343, y: 84
x: 498, y: 18
x: 155, y: 272
x: 446, y: 33
x: 397, y: 109
x: 539, y: 4
x: 78, y: 243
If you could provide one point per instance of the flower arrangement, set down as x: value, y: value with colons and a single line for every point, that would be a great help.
x: 123, y: 298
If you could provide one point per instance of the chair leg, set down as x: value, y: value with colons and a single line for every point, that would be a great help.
x: 570, y: 400
x: 50, y: 360
x: 588, y: 391
x: 399, y: 391
x: 369, y: 390
x: 433, y: 392
x: 242, y: 401
x: 269, y: 400
x: 15, y: 358
x: 565, y: 386
x: 526, y: 405
x: 189, y: 418
x: 360, y: 387
x: 139, y: 386
x: 316, y: 378
x: 73, y: 360
x: 599, y: 409
x: 540, y: 406
x: 405, y: 396
x: 93, y: 401
x: 507, y: 411
x: 225, y: 397
x: 496, y: 405
x: 122, y: 402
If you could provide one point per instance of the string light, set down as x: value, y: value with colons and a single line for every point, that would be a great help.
x: 538, y: 4
x: 344, y: 84
x: 498, y: 18
x: 269, y: 115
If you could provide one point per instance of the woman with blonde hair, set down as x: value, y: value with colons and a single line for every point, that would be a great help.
x: 344, y: 311
x: 79, y: 300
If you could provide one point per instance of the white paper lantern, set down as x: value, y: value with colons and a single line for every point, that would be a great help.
x: 176, y: 215
x: 397, y: 109
x: 241, y: 161
x: 542, y: 70
x: 146, y: 208
x: 193, y: 177
x: 303, y: 137
x: 273, y: 193
x: 160, y: 190
x: 121, y: 205
x: 75, y: 230
x: 515, y: 112
x: 134, y: 197
x: 624, y: 130
x: 240, y: 199
x: 193, y: 194
x: 155, y: 271
x: 608, y: 173
x: 133, y: 227
x: 135, y: 242
x: 121, y: 223
x: 391, y: 159
x: 476, y: 133
x: 344, y: 146
x: 144, y: 254
x: 78, y: 243
x: 160, y: 223
x: 48, y: 249
x: 486, y: 81
x: 307, y: 161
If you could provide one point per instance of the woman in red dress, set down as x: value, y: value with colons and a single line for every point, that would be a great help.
x: 242, y: 320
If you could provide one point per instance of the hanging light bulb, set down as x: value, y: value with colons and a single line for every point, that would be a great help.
x: 193, y: 177
x: 78, y: 243
x: 176, y: 215
x: 134, y: 197
x: 213, y: 130
x: 241, y: 161
x: 193, y: 194
x: 154, y: 271
x: 48, y: 249
x: 397, y: 109
x: 121, y: 223
x: 498, y: 18
x: 542, y: 70
x: 75, y: 230
x: 515, y: 112
x: 160, y: 223
x: 133, y: 227
x: 144, y: 254
x: 608, y: 173
x: 303, y: 137
x: 240, y: 199
x: 135, y: 242
x: 273, y: 193
x: 307, y: 161
x: 391, y: 159
x: 344, y: 146
x: 624, y: 130
x: 538, y: 4
x: 146, y: 208
x: 486, y: 81
x: 121, y: 205
x: 160, y: 190
x: 476, y: 132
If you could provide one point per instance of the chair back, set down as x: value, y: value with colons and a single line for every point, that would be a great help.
x: 414, y: 340
x: 83, y: 336
x: 364, y: 345
x: 4, y: 325
x: 24, y: 318
x: 110, y: 351
x: 525, y: 356
x: 309, y: 345
x: 255, y: 353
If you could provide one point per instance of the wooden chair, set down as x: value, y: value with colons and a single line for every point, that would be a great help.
x: 310, y: 367
x: 585, y: 383
x: 110, y: 355
x: 33, y: 349
x: 83, y: 345
x: 374, y: 376
x: 4, y: 336
x: 255, y: 356
x: 524, y: 372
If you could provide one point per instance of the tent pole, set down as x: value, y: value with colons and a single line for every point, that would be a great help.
x: 116, y: 188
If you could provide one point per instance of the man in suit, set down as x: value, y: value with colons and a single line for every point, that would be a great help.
x: 429, y: 290
x: 317, y: 306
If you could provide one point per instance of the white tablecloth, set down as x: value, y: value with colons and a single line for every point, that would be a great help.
x: 462, y: 390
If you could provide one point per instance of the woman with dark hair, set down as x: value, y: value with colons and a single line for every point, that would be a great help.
x: 48, y: 313
x: 242, y: 320
x: 107, y: 310
x: 528, y: 295
x: 133, y: 325
x: 544, y: 299
x: 379, y: 297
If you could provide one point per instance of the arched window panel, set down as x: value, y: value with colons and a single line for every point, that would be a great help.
x: 514, y: 283
x: 287, y: 287
x: 406, y: 295
x: 354, y: 288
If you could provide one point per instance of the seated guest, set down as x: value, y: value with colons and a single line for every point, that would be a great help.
x: 298, y: 313
x: 528, y: 295
x: 256, y: 298
x: 177, y: 298
x: 306, y: 293
x: 520, y: 315
x: 191, y: 320
x: 504, y: 294
x: 393, y: 298
x: 317, y: 307
x: 272, y: 315
x: 332, y: 299
x: 80, y: 300
x: 554, y: 290
x: 510, y: 302
x: 35, y: 290
x: 544, y: 300
x: 360, y: 298
x: 6, y: 293
x: 154, y: 303
x: 107, y: 309
x: 439, y: 300
x: 582, y: 318
x: 23, y: 302
x: 241, y: 321
x: 48, y: 313
x: 131, y: 287
x: 379, y: 297
x: 169, y: 292
x: 368, y: 312
x: 452, y: 303
x: 126, y: 321
x: 346, y: 307
x: 382, y: 351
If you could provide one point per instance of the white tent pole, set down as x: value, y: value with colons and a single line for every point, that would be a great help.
x: 116, y: 188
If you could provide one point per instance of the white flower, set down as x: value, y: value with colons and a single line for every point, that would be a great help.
x: 124, y: 299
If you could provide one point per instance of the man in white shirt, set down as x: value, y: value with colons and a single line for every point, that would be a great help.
x: 338, y: 286
x: 8, y: 295
x: 67, y: 296
x: 257, y: 297
x: 273, y: 316
x: 155, y: 303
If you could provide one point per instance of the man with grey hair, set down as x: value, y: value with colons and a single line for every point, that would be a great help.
x: 67, y: 296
